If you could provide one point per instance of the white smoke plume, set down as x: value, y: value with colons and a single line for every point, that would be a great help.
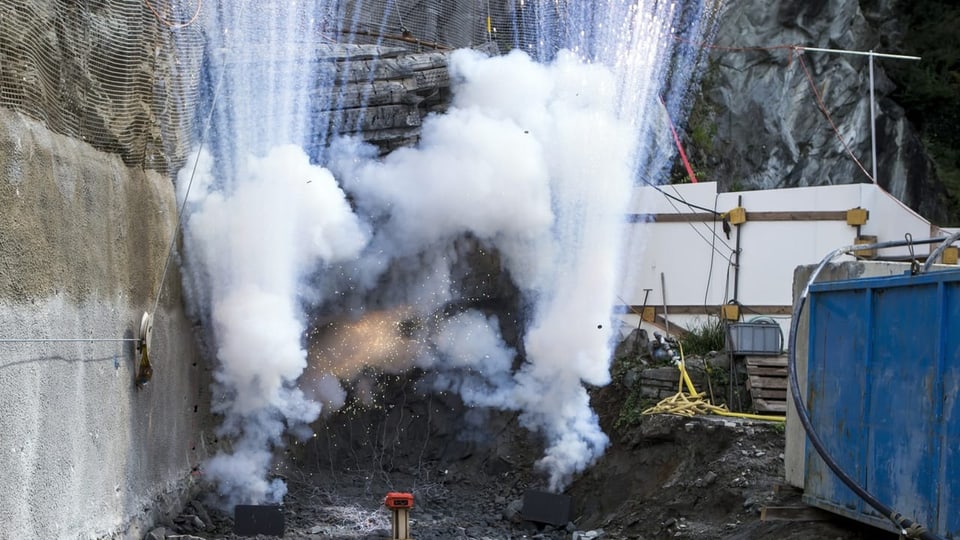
x: 540, y: 168
x: 249, y: 249
x: 530, y: 159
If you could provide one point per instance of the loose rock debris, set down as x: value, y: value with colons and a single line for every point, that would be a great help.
x: 663, y: 477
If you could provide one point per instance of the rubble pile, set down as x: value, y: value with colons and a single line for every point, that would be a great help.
x: 663, y: 477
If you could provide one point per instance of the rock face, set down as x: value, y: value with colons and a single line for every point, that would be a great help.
x: 758, y: 123
x: 380, y: 94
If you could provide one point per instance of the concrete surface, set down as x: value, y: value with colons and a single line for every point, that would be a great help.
x: 83, y: 453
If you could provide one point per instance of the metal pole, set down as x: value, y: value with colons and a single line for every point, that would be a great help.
x: 64, y: 340
x: 860, y: 53
x: 873, y: 110
x: 636, y: 341
x: 663, y: 294
x: 873, y: 122
x: 736, y: 265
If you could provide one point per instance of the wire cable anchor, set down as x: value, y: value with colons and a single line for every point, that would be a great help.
x: 144, y: 371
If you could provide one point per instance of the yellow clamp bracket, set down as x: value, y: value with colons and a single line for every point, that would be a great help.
x: 730, y: 312
x: 857, y: 216
x: 736, y: 216
x: 950, y: 255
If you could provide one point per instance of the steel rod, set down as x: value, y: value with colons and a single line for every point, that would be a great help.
x: 859, y: 53
x: 63, y: 340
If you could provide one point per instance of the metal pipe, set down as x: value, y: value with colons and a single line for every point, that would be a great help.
x: 873, y: 113
x: 636, y: 341
x: 859, y: 53
x: 663, y: 294
x: 64, y: 340
x: 907, y: 527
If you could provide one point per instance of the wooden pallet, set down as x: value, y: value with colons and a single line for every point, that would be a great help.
x: 767, y: 383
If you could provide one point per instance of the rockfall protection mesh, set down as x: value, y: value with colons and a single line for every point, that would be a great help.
x: 118, y: 75
x: 448, y: 23
x: 124, y: 75
x: 535, y: 26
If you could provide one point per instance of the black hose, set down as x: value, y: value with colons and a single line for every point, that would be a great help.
x: 906, y: 526
x: 937, y: 252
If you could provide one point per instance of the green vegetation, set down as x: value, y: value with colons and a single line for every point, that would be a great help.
x: 632, y: 409
x: 708, y: 336
x: 929, y: 90
x: 701, y: 126
x: 698, y: 134
x: 698, y: 142
x: 946, y: 156
x: 634, y: 403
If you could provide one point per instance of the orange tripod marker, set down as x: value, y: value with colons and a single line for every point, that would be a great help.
x: 400, y: 504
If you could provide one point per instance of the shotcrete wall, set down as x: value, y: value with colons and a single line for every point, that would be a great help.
x: 83, y: 237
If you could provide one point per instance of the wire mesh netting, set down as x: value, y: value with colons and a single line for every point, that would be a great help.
x: 132, y: 77
x: 538, y: 27
x: 442, y: 23
x: 125, y: 76
x: 118, y: 75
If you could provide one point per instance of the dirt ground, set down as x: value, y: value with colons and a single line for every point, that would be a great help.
x: 664, y: 477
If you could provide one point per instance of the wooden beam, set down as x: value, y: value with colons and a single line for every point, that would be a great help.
x: 786, y: 489
x: 768, y: 383
x: 767, y: 393
x: 776, y: 406
x: 693, y: 217
x: 697, y: 217
x: 793, y: 513
x: 838, y: 215
x: 709, y: 310
x: 767, y: 371
x: 779, y: 362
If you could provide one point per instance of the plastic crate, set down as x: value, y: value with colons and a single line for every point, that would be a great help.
x: 756, y: 339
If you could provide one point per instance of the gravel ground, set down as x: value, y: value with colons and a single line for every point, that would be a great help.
x: 669, y: 477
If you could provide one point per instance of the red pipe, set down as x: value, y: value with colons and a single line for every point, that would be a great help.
x: 676, y: 139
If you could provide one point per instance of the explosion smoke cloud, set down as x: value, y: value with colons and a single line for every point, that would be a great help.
x: 538, y: 169
x: 541, y: 170
x: 250, y: 247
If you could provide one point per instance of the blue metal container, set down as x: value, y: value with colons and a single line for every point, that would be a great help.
x: 882, y: 389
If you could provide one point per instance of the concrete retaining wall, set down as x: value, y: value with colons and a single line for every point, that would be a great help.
x: 83, y: 452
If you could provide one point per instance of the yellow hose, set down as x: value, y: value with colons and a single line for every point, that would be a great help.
x: 693, y: 402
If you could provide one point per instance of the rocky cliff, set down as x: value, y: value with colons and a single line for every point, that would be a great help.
x: 771, y: 116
